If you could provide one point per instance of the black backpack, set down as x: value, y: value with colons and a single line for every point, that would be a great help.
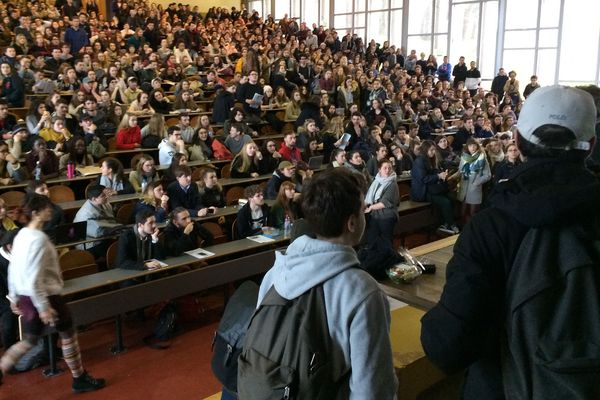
x: 229, y: 336
x: 287, y: 350
x: 165, y: 328
x: 551, y: 349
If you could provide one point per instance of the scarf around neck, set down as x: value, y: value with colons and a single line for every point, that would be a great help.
x: 473, y: 163
x: 376, y: 189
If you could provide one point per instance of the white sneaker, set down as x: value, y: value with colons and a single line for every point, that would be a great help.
x: 444, y: 228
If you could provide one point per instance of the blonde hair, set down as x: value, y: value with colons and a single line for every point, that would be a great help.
x: 156, y: 125
x: 246, y: 160
x: 125, y: 120
x: 148, y: 193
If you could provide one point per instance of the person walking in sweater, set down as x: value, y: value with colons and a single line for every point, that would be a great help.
x: 35, y: 283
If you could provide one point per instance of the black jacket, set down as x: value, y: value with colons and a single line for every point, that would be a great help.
x: 464, y: 329
x: 274, y: 183
x: 180, y: 198
x: 177, y: 242
x: 224, y: 102
x: 212, y: 197
x: 309, y: 110
x: 252, y: 168
x: 13, y: 90
x: 244, y: 221
x: 133, y: 252
x: 498, y: 85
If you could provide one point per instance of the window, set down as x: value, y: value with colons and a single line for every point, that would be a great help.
x: 420, y: 17
x: 377, y: 26
x: 579, y: 42
x: 380, y: 19
x: 532, y: 40
x: 464, y: 32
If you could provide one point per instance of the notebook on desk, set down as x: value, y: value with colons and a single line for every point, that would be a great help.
x: 89, y: 170
x: 69, y: 233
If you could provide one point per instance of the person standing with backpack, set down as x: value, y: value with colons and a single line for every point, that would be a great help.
x: 521, y: 309
x: 322, y: 323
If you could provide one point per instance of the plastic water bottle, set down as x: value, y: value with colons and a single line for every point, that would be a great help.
x: 287, y: 226
x: 144, y: 184
x: 37, y: 172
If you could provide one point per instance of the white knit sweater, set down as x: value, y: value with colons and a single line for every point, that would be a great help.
x: 34, y: 270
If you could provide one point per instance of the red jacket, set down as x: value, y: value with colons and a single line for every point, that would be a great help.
x: 127, y: 138
x: 292, y: 155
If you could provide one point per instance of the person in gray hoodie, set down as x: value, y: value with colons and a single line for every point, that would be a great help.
x: 100, y: 218
x: 358, y: 314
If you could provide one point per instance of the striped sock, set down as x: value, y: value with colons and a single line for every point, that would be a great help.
x: 13, y: 354
x: 72, y: 355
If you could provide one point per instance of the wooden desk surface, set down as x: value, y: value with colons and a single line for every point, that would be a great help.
x: 243, y: 181
x: 136, y: 150
x: 116, y: 275
x: 119, y: 198
x: 425, y: 291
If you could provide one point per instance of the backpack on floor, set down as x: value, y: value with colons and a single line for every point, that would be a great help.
x: 165, y: 328
x: 229, y: 336
x: 551, y: 349
x: 34, y: 358
x: 287, y: 350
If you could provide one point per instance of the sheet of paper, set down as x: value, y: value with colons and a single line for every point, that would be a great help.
x: 345, y: 141
x: 257, y: 99
x: 260, y: 239
x: 199, y: 253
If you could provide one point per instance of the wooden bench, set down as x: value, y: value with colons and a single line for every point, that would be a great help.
x: 413, y: 216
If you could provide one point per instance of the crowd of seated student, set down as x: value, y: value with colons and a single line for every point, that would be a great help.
x: 310, y: 83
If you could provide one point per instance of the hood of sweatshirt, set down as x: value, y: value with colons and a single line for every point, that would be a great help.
x: 307, y: 263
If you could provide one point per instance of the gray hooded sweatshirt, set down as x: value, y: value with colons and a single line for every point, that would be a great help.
x: 358, y: 314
